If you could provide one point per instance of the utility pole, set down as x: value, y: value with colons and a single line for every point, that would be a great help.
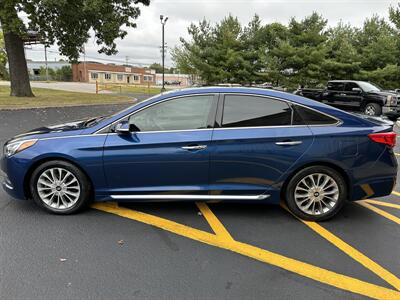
x: 86, y: 78
x: 45, y: 59
x: 163, y: 21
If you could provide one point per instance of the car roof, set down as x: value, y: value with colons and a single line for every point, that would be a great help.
x: 245, y: 90
x: 355, y: 81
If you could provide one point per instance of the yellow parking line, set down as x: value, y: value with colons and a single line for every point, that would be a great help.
x: 380, y: 212
x: 395, y: 193
x: 310, y: 271
x: 381, y: 203
x: 215, y: 224
x: 352, y: 252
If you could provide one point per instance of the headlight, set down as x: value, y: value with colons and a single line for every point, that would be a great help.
x: 15, y: 147
x: 392, y: 100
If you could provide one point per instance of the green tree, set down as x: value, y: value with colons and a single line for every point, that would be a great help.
x: 66, y: 22
x: 158, y: 68
x: 223, y: 53
x: 64, y: 73
x: 343, y: 61
x: 308, y: 38
x: 3, y: 58
x: 376, y: 44
x: 183, y: 62
x: 274, y: 36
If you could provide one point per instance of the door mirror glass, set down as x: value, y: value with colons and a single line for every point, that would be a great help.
x: 356, y: 89
x: 122, y: 128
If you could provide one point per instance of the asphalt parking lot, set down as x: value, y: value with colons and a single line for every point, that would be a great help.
x: 192, y: 251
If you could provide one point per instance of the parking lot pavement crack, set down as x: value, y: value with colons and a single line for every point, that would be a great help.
x: 353, y: 252
x: 216, y: 225
x: 301, y: 268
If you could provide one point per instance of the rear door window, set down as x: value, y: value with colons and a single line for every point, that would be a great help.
x: 335, y: 86
x: 253, y: 111
x: 350, y: 85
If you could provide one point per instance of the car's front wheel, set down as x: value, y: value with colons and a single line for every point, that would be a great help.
x: 373, y: 109
x: 316, y: 193
x: 60, y: 187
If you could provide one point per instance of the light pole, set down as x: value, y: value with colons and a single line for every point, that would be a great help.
x: 163, y: 21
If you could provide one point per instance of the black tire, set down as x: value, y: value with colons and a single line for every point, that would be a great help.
x: 290, y: 193
x: 374, y: 108
x: 85, y: 187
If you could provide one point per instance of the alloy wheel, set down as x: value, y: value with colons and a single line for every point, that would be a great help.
x: 370, y: 110
x: 58, y: 188
x: 316, y: 194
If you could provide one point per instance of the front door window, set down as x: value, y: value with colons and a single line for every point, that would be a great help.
x: 184, y: 113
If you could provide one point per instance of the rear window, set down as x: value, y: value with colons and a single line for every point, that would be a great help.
x: 305, y: 116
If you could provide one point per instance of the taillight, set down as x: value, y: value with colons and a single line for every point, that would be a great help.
x: 387, y: 138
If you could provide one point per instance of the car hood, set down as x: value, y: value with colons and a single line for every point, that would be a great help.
x: 69, y: 128
x: 382, y: 93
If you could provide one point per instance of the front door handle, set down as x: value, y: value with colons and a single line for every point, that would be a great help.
x: 194, y: 147
x: 289, y: 143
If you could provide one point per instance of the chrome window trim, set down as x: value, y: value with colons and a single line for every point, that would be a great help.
x: 152, y: 104
x: 192, y: 197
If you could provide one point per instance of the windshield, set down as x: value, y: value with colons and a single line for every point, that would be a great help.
x: 368, y: 87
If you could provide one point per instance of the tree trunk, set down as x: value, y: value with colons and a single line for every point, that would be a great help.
x: 20, y: 85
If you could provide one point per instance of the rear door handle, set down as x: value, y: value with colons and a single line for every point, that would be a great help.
x: 289, y: 143
x: 194, y: 147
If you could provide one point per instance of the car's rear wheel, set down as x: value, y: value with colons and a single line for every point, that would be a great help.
x: 373, y: 109
x: 60, y: 187
x: 316, y: 193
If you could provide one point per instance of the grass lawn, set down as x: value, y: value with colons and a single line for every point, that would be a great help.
x: 55, y: 98
x: 123, y: 88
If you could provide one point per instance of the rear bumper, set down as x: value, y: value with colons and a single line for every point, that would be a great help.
x: 377, y: 187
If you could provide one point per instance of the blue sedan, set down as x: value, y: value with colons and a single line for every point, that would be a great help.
x: 207, y: 144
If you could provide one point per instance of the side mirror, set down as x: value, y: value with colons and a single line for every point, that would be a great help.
x: 358, y: 90
x: 122, y: 128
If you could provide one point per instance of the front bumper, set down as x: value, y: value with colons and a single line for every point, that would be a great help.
x: 391, y: 111
x: 11, y: 184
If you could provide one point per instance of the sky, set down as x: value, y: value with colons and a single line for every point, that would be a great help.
x: 142, y: 44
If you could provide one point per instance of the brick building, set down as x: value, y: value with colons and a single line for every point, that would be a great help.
x: 109, y: 73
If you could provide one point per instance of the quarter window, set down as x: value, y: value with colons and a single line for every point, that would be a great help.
x: 176, y: 114
x: 252, y: 111
x: 305, y: 116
